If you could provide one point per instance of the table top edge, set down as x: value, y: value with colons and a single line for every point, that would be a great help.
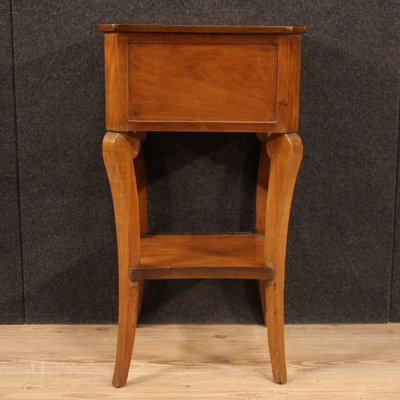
x: 155, y: 28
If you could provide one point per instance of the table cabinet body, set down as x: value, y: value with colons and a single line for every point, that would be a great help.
x: 195, y: 80
x: 202, y: 79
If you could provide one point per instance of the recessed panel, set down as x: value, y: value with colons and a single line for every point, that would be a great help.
x: 202, y: 82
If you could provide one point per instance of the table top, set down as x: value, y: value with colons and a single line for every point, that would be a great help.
x: 201, y: 28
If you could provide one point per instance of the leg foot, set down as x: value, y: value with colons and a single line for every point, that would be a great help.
x: 128, y: 317
x: 276, y: 335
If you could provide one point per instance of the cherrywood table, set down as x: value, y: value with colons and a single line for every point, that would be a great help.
x: 202, y: 79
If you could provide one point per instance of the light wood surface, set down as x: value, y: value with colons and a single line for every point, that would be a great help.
x: 200, y: 362
x: 239, y: 256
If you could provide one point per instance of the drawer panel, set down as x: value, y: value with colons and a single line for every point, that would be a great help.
x: 202, y: 82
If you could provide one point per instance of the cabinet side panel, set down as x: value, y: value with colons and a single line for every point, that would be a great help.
x: 116, y: 90
x: 294, y: 82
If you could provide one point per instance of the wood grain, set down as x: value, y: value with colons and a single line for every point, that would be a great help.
x: 208, y: 250
x: 180, y: 362
x: 119, y: 150
x: 181, y: 78
x: 207, y: 82
x: 201, y: 82
x: 116, y: 76
x: 285, y: 153
x: 239, y: 256
x: 294, y: 79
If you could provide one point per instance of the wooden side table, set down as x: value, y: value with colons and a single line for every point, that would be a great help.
x: 203, y: 79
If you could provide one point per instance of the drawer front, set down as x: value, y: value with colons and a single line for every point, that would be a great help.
x: 202, y: 82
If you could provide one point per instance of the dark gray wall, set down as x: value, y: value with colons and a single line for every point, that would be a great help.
x: 11, y: 297
x: 341, y: 233
x: 395, y: 281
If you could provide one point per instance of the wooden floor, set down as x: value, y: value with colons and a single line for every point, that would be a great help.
x: 200, y: 362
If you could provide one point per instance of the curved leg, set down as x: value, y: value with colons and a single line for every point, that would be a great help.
x: 285, y: 152
x: 119, y: 150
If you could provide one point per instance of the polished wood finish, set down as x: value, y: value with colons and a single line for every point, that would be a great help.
x: 119, y: 150
x: 294, y: 83
x: 206, y: 79
x: 200, y: 28
x: 116, y: 88
x: 190, y: 82
x: 285, y: 152
x: 239, y: 256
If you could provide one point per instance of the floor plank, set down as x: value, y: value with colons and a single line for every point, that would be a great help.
x: 200, y: 362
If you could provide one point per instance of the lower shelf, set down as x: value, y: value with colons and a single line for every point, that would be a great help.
x: 238, y: 256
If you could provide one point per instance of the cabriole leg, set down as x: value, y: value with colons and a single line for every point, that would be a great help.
x: 119, y: 150
x: 285, y: 153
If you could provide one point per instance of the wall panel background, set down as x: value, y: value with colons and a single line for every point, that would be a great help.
x: 341, y: 233
x: 11, y: 288
x: 395, y: 278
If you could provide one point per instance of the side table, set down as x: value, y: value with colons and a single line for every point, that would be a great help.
x: 202, y: 79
